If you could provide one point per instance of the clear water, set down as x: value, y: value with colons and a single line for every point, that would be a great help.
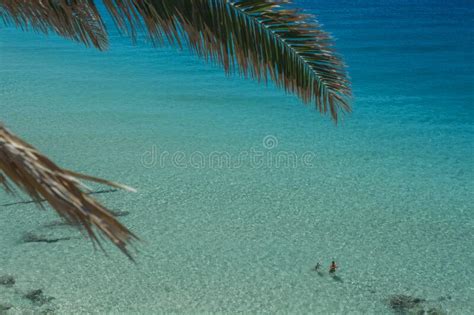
x: 387, y: 193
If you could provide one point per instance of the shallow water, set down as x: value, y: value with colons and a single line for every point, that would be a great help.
x: 387, y: 193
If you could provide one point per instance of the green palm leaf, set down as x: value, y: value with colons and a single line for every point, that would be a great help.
x: 261, y: 39
x: 78, y: 20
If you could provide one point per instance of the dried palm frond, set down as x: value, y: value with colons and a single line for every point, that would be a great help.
x: 41, y: 179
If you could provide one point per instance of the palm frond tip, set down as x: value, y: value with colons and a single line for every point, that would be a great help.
x: 42, y: 179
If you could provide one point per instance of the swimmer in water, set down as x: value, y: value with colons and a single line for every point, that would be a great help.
x: 318, y: 265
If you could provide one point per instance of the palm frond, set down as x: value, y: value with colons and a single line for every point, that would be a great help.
x: 78, y: 20
x: 43, y: 180
x: 260, y: 39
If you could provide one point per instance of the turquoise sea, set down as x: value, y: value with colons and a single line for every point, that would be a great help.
x: 388, y: 193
